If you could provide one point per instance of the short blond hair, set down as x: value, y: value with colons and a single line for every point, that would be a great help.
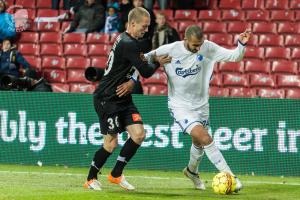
x: 136, y: 14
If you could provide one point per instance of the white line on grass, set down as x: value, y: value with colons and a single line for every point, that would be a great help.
x: 144, y: 177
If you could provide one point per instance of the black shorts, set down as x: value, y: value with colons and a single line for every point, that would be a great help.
x: 114, y: 117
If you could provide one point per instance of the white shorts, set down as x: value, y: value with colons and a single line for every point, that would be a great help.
x: 187, y: 119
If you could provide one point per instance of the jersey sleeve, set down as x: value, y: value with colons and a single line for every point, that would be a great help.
x: 219, y: 53
x: 160, y: 51
x: 138, y: 60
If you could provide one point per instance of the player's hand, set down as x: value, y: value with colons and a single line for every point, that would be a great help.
x: 125, y: 88
x: 245, y: 36
x: 164, y: 59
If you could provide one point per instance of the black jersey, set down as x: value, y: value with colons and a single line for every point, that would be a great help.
x: 124, y: 56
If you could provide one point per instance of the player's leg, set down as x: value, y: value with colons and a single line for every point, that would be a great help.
x: 109, y: 125
x: 131, y: 118
x: 187, y: 120
x: 202, y: 138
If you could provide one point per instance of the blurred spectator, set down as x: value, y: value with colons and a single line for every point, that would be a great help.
x: 7, y: 23
x: 112, y: 19
x: 186, y: 4
x: 125, y: 7
x: 38, y: 84
x: 146, y: 41
x: 163, y: 4
x: 163, y: 32
x: 11, y: 60
x: 89, y: 18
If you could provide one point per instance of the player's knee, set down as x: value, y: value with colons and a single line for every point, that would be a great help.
x: 139, y: 137
x: 110, y: 146
x: 206, y: 140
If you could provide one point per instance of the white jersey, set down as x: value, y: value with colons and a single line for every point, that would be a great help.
x: 189, y: 73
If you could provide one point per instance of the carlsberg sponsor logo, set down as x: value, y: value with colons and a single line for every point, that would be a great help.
x: 70, y: 130
x: 187, y: 72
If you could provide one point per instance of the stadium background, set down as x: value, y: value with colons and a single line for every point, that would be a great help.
x: 270, y: 70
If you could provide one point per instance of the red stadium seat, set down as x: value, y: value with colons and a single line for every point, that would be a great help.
x: 29, y: 49
x: 50, y: 37
x: 271, y: 93
x: 284, y: 66
x: 157, y: 78
x: 233, y: 15
x: 230, y: 4
x: 28, y: 37
x: 216, y: 80
x: 293, y: 93
x: 221, y: 39
x: 254, y: 53
x: 296, y: 54
x: 275, y: 53
x: 26, y: 3
x: 158, y: 90
x: 99, y: 62
x: 257, y: 15
x: 209, y: 15
x: 277, y: 5
x: 253, y: 4
x: 262, y: 80
x: 55, y: 75
x: 47, y: 13
x: 48, y: 26
x: 185, y: 15
x: 218, y: 92
x: 97, y: 38
x: 231, y: 67
x: 270, y: 40
x: 78, y: 62
x: 288, y: 81
x: 237, y: 27
x: 183, y: 25
x: 77, y: 38
x: 173, y: 24
x: 31, y: 13
x: 292, y: 40
x: 242, y: 92
x: 257, y: 66
x: 295, y: 4
x: 51, y: 50
x: 10, y: 2
x: 76, y: 76
x: 145, y: 89
x: 65, y: 25
x: 235, y: 80
x: 168, y: 13
x: 59, y: 87
x: 287, y: 28
x: 214, y: 27
x: 264, y: 27
x: 53, y: 62
x: 34, y: 62
x: 98, y: 50
x: 282, y: 15
x: 82, y: 88
x: 75, y: 49
x: 44, y: 4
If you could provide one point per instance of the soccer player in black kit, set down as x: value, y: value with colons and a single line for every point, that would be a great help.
x: 114, y: 104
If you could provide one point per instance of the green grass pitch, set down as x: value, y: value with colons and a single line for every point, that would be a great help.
x: 61, y: 183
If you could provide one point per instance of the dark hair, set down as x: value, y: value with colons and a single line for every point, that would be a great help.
x: 193, y: 30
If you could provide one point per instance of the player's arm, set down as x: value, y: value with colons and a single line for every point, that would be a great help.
x: 138, y: 60
x: 160, y: 51
x: 219, y: 53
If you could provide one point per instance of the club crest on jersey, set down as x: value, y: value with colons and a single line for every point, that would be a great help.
x: 199, y: 57
x: 188, y: 72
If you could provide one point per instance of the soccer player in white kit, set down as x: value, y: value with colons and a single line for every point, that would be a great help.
x: 188, y: 75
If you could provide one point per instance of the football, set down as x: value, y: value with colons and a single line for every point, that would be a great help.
x: 223, y: 183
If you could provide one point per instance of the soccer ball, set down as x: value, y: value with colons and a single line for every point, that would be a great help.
x: 223, y: 183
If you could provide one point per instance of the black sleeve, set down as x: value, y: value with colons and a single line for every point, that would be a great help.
x: 138, y: 60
